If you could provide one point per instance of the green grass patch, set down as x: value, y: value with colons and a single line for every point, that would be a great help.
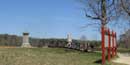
x: 123, y: 50
x: 48, y: 56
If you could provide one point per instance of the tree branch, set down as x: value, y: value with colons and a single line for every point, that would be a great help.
x: 113, y: 1
x: 92, y: 17
x: 96, y: 12
x: 125, y: 8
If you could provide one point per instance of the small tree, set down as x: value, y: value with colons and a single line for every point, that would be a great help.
x: 84, y: 43
x: 124, y: 38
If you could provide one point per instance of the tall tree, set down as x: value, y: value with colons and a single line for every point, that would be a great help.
x: 102, y: 10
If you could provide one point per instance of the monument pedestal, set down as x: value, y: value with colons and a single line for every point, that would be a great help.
x: 26, y: 40
x: 26, y: 45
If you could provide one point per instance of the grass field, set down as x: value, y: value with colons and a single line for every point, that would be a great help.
x: 48, y: 56
x: 123, y: 50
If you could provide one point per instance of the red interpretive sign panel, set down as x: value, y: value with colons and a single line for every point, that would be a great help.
x: 108, y: 42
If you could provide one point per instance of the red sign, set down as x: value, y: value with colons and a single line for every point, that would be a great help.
x: 108, y: 42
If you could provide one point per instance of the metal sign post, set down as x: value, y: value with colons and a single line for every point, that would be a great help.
x: 109, y: 45
x: 103, y: 46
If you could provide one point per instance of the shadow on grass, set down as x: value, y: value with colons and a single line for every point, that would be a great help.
x: 73, y: 50
x: 98, y: 61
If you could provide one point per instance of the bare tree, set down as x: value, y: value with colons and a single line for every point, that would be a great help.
x: 125, y: 6
x: 84, y: 44
x: 124, y: 38
x: 83, y: 38
x: 103, y: 11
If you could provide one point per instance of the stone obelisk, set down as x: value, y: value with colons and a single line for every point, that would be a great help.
x: 69, y: 40
x: 26, y: 40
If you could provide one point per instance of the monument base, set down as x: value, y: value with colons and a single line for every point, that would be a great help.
x: 27, y: 45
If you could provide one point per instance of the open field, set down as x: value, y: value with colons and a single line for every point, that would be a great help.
x: 123, y: 50
x: 48, y: 56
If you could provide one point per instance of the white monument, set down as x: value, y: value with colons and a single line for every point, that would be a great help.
x: 69, y: 40
x: 26, y: 40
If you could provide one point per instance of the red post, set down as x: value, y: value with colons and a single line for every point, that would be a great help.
x: 116, y: 44
x: 112, y: 44
x: 103, y: 45
x: 109, y: 44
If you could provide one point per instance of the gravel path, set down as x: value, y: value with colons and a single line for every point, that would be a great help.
x: 123, y: 58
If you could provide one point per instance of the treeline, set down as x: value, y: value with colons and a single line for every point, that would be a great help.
x: 35, y: 42
x: 124, y: 41
x: 14, y: 40
x: 10, y: 40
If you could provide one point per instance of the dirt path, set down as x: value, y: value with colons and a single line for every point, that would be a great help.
x: 123, y: 58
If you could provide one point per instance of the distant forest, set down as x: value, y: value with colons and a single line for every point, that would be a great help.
x: 14, y: 40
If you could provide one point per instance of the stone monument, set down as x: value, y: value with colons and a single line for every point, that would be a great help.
x: 26, y: 40
x: 69, y: 40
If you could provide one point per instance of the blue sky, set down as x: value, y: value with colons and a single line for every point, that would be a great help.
x: 44, y: 18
